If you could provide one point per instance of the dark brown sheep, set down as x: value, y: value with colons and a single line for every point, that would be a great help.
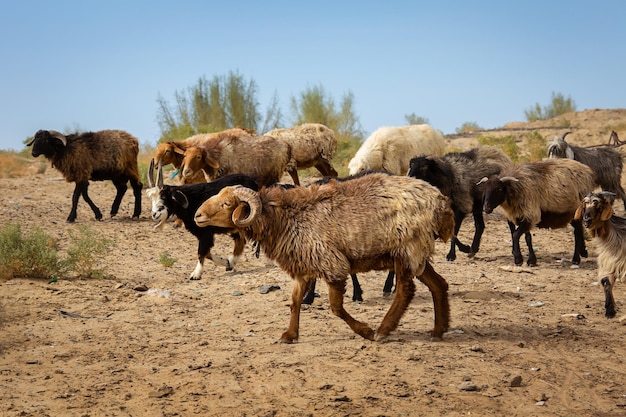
x: 97, y: 156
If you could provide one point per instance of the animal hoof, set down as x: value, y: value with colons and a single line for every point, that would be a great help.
x: 288, y: 338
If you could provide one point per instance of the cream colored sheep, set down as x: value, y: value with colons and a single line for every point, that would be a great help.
x: 391, y: 148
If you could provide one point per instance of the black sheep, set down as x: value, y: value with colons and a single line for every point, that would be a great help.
x: 97, y: 156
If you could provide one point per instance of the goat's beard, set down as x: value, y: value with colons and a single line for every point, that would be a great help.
x: 160, y: 217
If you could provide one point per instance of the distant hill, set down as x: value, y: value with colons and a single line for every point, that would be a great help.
x: 588, y: 127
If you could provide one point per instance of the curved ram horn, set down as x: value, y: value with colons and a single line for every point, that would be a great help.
x: 249, y: 198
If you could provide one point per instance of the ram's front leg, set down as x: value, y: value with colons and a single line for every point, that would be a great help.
x: 299, y: 288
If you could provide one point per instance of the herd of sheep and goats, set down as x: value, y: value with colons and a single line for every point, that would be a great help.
x: 403, y: 193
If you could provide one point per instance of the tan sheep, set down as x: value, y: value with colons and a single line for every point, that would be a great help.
x: 264, y: 158
x: 172, y: 152
x: 541, y: 194
x: 312, y: 145
x: 331, y: 229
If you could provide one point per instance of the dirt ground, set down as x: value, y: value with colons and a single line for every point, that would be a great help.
x: 523, y: 342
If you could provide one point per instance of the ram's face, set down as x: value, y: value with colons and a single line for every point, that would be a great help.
x: 159, y: 211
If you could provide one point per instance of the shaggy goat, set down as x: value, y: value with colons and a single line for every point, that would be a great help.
x: 391, y: 148
x: 609, y: 231
x: 541, y: 194
x: 605, y: 161
x: 264, y: 158
x: 456, y: 174
x: 183, y: 201
x: 312, y: 145
x: 97, y: 156
x: 172, y: 152
x: 329, y: 230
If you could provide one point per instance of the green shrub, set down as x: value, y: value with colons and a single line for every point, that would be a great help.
x: 468, y: 127
x: 536, y: 146
x: 166, y: 260
x: 506, y: 143
x: 85, y: 248
x: 33, y: 254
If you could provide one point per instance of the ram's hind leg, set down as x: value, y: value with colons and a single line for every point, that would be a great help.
x: 336, y: 290
x: 405, y: 290
x: 439, y: 289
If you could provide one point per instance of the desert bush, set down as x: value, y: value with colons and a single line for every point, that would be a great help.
x: 32, y: 254
x: 535, y: 146
x: 468, y: 127
x: 508, y: 144
x: 558, y: 105
x: 85, y: 248
x: 166, y: 259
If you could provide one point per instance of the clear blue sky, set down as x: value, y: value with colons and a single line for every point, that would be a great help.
x: 101, y: 64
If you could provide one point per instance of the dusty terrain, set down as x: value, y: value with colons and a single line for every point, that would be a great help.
x: 523, y: 342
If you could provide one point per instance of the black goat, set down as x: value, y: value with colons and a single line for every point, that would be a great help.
x: 183, y: 201
x: 98, y: 156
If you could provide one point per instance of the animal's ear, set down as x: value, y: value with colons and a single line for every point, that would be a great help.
x: 178, y: 149
x: 241, y: 212
x: 181, y: 199
x: 607, y: 212
x: 579, y: 211
x: 210, y: 161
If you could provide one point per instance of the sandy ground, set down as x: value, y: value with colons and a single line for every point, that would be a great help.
x: 523, y: 342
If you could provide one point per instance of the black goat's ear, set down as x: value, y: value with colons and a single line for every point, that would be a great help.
x: 181, y: 199
x: 579, y: 212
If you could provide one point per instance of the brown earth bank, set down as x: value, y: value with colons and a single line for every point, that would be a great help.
x: 523, y: 341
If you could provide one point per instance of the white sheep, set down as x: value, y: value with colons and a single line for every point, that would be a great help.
x: 334, y: 228
x: 312, y: 145
x: 391, y: 148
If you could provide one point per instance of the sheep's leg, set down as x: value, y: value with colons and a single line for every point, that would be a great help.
x: 81, y: 189
x: 479, y: 227
x: 357, y: 291
x: 310, y: 293
x: 388, y: 287
x: 579, y: 242
x: 532, y: 258
x: 609, y: 302
x: 439, y: 289
x: 291, y: 335
x: 336, y: 290
x: 293, y: 173
x: 137, y: 186
x: 516, y: 234
x: 121, y: 188
x: 454, y: 242
x: 405, y: 290
x: 326, y: 169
